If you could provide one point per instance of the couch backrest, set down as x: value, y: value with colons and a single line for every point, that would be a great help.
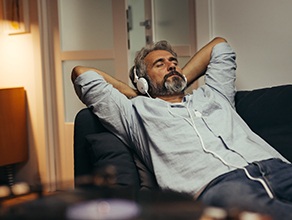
x: 268, y: 112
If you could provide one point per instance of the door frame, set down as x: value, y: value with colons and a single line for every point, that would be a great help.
x: 50, y: 179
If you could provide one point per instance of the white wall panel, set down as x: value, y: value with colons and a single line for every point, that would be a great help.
x: 260, y: 32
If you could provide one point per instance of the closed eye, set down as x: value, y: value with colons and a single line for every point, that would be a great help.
x: 161, y: 61
x: 159, y: 64
x: 173, y: 60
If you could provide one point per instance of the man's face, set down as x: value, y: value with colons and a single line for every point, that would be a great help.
x: 164, y: 73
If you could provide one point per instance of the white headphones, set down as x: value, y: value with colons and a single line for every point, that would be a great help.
x: 141, y: 83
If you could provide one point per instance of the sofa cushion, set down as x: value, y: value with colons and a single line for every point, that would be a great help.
x: 107, y: 151
x: 268, y: 113
x: 147, y: 178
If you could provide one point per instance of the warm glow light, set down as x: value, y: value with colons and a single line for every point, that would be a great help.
x: 17, y: 59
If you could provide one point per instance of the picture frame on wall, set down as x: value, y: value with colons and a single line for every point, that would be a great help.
x: 16, y: 16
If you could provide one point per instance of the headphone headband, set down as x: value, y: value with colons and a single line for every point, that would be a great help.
x: 135, y: 74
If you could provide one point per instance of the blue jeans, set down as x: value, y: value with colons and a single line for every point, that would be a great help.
x: 234, y: 190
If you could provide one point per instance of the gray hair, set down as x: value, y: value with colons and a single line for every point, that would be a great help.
x: 139, y: 63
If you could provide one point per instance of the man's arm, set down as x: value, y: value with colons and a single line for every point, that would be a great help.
x: 197, y: 65
x: 122, y: 87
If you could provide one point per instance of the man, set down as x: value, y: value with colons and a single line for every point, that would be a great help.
x: 194, y: 143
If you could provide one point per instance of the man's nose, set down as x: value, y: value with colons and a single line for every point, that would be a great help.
x: 171, y: 67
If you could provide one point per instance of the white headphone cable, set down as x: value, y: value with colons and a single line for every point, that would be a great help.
x: 192, y: 123
x: 148, y: 94
x: 264, y: 184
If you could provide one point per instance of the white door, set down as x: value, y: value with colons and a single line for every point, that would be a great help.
x: 94, y: 33
x: 90, y: 33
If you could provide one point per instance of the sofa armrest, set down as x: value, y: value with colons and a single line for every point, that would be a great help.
x: 85, y: 123
x: 268, y: 113
x: 95, y: 149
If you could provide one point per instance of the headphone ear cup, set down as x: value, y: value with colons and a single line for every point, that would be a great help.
x: 142, y: 85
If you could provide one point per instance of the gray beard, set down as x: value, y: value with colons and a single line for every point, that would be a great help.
x: 171, y: 85
x: 176, y: 85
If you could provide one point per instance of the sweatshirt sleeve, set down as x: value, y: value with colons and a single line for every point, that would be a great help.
x: 113, y: 108
x: 221, y: 72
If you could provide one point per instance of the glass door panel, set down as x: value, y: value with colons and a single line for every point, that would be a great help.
x: 172, y: 24
x: 86, y: 25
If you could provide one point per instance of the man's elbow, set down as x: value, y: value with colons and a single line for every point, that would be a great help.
x: 219, y: 39
x: 76, y: 71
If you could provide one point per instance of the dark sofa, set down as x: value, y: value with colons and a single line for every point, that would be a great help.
x: 267, y: 111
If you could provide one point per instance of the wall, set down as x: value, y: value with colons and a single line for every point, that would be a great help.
x: 21, y: 67
x: 259, y: 31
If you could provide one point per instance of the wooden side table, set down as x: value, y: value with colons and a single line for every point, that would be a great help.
x: 13, y: 127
